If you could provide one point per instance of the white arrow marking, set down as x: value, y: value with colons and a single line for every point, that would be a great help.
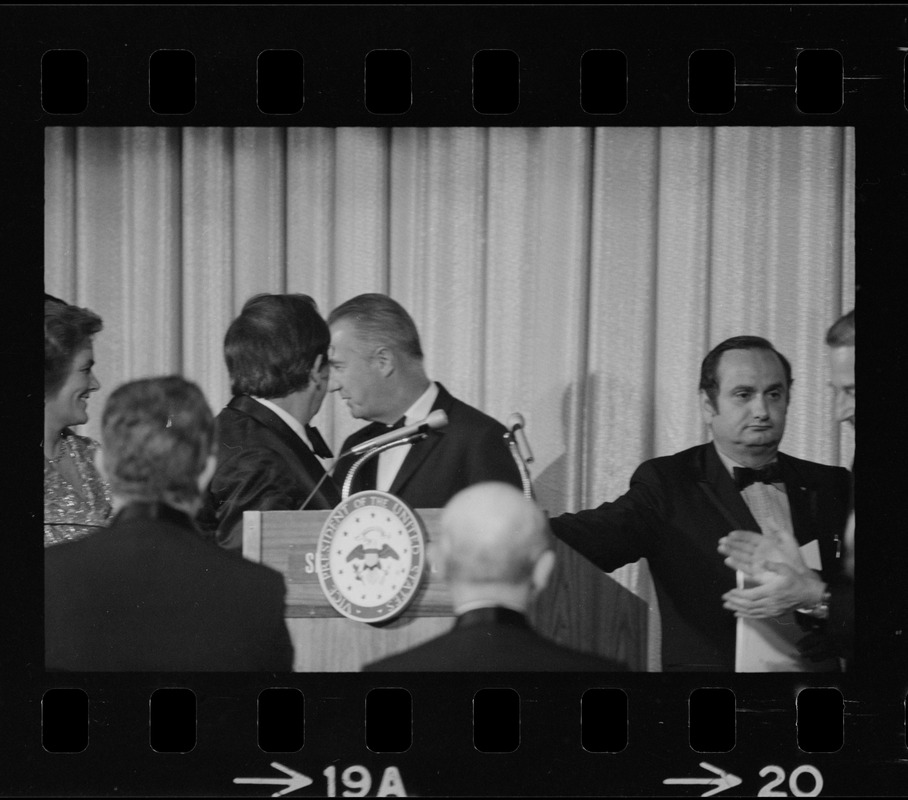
x: 296, y: 780
x: 725, y: 780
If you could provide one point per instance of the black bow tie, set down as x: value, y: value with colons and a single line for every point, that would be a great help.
x: 399, y: 424
x: 319, y: 446
x: 744, y: 476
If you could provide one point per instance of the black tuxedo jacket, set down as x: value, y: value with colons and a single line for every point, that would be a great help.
x: 469, y: 449
x: 675, y: 512
x: 150, y: 594
x: 262, y: 466
x: 835, y: 636
x: 493, y: 640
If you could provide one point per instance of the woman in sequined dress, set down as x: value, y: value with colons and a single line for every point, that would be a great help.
x: 76, y: 497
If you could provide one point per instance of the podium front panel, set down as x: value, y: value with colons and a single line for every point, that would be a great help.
x: 323, y: 639
x: 287, y: 541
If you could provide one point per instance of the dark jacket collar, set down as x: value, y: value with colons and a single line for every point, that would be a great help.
x: 421, y: 449
x: 720, y: 487
x: 443, y: 401
x: 154, y: 510
x: 367, y: 473
x: 491, y: 615
x: 265, y: 416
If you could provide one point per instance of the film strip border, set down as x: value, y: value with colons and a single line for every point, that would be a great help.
x: 474, y: 65
x: 454, y: 734
x: 817, y: 79
x: 657, y: 47
x: 388, y: 720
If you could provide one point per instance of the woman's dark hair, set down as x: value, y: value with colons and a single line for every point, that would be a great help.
x: 271, y: 347
x: 67, y: 329
x: 709, y: 381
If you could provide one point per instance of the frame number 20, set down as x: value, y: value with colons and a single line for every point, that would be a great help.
x: 814, y: 781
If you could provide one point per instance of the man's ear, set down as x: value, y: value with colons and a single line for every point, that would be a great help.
x: 319, y: 371
x: 542, y: 570
x: 384, y: 360
x: 206, y: 475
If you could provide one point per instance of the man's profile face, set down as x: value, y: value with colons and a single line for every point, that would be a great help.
x: 751, y: 405
x: 353, y: 373
x: 841, y: 369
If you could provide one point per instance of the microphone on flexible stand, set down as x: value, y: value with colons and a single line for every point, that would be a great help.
x: 437, y: 419
x: 517, y: 425
x: 517, y: 442
x: 377, y: 444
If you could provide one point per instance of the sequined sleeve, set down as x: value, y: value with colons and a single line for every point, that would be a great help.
x: 73, y: 512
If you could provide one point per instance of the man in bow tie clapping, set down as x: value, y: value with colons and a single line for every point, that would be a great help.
x: 678, y: 507
x: 779, y: 576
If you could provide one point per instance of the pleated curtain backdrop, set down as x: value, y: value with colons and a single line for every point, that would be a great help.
x: 575, y: 275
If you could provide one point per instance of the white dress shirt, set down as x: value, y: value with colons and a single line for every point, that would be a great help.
x: 292, y: 422
x: 389, y: 461
x: 769, y: 645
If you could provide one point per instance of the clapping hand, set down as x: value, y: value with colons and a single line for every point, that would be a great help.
x: 750, y: 552
x: 774, y: 561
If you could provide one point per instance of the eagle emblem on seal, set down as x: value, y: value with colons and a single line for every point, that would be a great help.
x: 370, y: 556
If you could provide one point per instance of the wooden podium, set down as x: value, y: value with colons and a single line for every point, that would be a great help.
x: 324, y: 640
x: 581, y: 608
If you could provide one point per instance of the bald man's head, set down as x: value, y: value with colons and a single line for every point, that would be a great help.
x: 491, y: 533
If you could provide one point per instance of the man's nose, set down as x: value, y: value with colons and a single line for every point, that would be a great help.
x: 94, y: 384
x: 333, y: 384
x: 759, y: 406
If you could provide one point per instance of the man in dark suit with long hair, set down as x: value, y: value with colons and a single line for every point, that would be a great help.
x: 494, y: 551
x: 149, y: 593
x: 377, y: 368
x: 678, y: 507
x: 277, y: 356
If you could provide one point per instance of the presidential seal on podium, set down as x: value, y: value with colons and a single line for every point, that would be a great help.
x: 370, y: 556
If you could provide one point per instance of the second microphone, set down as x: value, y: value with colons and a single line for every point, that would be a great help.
x: 437, y: 419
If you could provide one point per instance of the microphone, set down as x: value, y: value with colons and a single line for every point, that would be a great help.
x: 437, y: 419
x: 516, y: 427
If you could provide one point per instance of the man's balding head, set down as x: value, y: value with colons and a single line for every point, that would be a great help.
x: 491, y: 534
